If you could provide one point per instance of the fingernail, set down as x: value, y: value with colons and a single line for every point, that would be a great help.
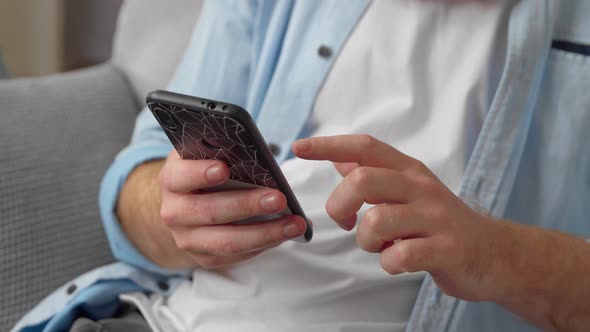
x: 303, y: 145
x: 214, y: 174
x: 269, y: 202
x: 291, y: 229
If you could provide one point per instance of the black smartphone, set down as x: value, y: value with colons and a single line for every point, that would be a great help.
x: 207, y: 129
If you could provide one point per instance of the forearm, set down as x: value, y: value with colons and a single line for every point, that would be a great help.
x: 545, y: 278
x: 138, y: 210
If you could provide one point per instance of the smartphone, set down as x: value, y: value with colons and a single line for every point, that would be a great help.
x: 207, y: 129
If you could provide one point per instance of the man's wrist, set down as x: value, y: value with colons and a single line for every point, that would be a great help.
x: 139, y: 214
x: 539, y: 274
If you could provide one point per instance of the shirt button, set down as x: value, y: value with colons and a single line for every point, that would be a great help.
x: 163, y: 286
x: 274, y: 149
x: 71, y: 289
x: 324, y: 51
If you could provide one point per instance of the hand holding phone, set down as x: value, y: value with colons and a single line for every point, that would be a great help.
x: 204, y: 197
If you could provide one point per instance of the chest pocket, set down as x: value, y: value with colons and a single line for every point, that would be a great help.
x: 553, y: 183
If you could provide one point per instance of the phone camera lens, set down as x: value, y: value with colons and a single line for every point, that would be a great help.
x: 165, y: 118
x: 211, y: 106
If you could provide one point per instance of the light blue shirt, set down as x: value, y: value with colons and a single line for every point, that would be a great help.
x: 531, y: 161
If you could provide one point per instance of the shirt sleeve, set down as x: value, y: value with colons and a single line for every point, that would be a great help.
x: 216, y: 65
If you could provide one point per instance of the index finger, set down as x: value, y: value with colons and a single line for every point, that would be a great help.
x: 362, y: 149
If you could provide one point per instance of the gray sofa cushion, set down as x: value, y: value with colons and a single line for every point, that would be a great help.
x: 58, y: 134
x: 3, y: 70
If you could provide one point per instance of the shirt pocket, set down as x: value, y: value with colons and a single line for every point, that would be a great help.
x: 553, y: 184
x: 571, y: 47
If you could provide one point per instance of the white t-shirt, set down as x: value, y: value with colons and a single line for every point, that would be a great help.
x: 415, y: 74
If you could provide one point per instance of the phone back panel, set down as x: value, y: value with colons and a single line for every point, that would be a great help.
x: 204, y: 135
x: 207, y: 129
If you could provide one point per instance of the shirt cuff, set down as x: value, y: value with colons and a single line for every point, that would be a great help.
x: 110, y: 187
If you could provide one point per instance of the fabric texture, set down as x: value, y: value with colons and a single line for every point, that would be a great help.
x: 75, y: 123
x: 148, y: 141
x: 128, y: 321
x: 512, y: 162
x: 366, y: 91
x: 58, y: 135
x: 132, y: 323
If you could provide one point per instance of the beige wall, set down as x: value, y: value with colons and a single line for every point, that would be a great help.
x: 31, y: 36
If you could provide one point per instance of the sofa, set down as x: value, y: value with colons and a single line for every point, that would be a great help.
x: 58, y: 135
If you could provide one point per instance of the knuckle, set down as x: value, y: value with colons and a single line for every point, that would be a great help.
x: 229, y: 247
x: 221, y: 247
x: 420, y: 166
x: 388, y: 265
x: 426, y: 183
x: 397, y: 214
x: 183, y: 243
x: 246, y: 203
x: 208, y: 247
x: 404, y: 256
x: 429, y: 185
x: 450, y: 244
x: 364, y: 241
x: 438, y: 213
x: 167, y: 215
x: 383, y: 216
x: 367, y: 141
x: 373, y: 217
x: 360, y: 176
x: 204, y: 210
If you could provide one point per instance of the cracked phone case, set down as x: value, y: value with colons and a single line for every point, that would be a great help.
x: 207, y: 129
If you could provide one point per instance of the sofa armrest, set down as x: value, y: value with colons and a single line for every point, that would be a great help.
x: 58, y: 135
